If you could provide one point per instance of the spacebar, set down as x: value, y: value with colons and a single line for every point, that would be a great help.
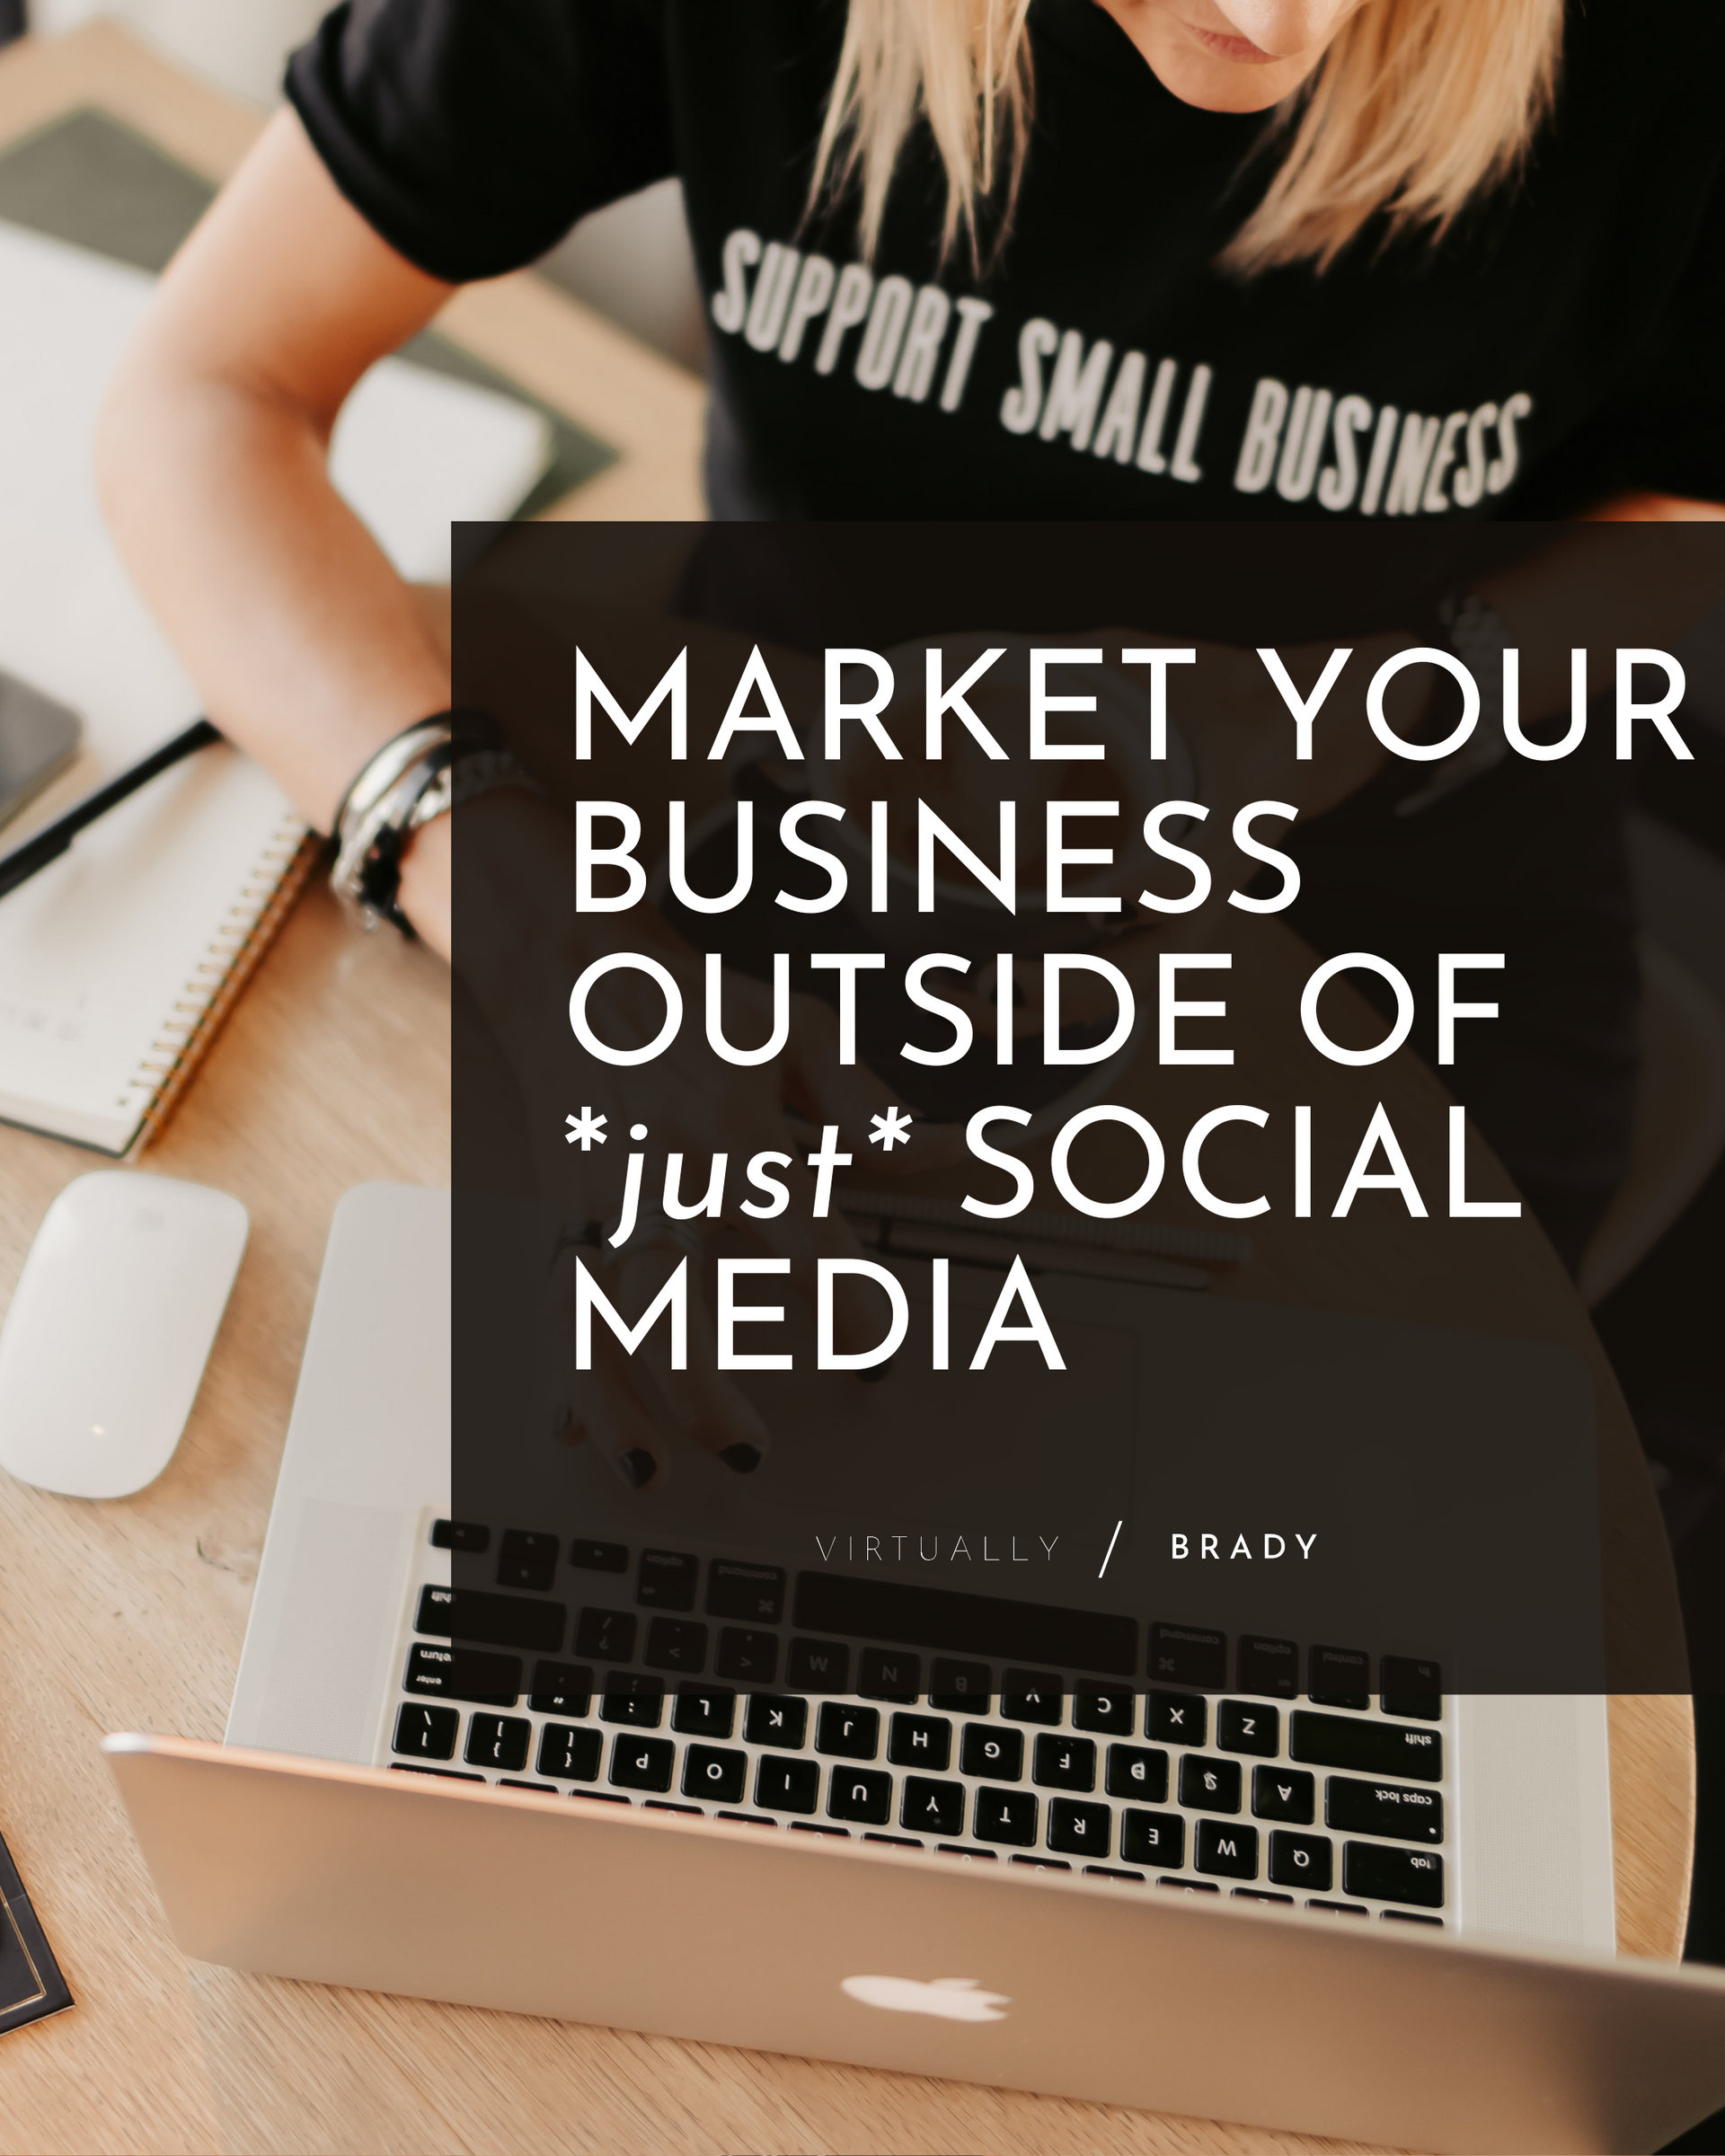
x: 976, y: 1624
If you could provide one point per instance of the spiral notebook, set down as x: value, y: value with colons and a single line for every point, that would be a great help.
x: 119, y: 960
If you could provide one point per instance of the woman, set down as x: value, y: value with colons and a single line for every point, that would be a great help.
x: 1156, y: 259
x: 1424, y: 260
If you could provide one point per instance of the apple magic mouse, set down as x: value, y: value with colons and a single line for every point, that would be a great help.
x: 110, y: 1327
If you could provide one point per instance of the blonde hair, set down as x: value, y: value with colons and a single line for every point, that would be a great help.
x: 1417, y: 108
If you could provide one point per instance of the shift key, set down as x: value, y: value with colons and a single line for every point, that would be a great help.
x: 1368, y: 1748
x: 491, y: 1619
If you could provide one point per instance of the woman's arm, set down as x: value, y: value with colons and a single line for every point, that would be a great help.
x: 307, y: 648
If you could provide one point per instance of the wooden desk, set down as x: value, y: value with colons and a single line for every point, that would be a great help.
x: 333, y: 1071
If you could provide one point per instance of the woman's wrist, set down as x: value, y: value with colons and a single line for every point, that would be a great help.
x: 426, y: 887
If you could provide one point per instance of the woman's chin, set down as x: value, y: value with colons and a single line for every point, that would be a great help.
x: 1219, y: 85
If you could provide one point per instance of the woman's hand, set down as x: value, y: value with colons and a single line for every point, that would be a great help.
x: 521, y: 948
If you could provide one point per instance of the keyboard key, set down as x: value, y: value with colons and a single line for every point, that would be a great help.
x: 643, y: 1762
x: 1241, y: 1726
x: 888, y: 1673
x: 862, y: 1794
x: 1338, y: 1908
x: 1190, y: 1886
x: 1102, y: 1872
x: 526, y: 1560
x: 1230, y: 1851
x: 560, y: 1688
x: 1179, y: 1655
x: 818, y: 1666
x: 1307, y: 1861
x: 1284, y: 1793
x: 636, y: 1702
x: 425, y: 1732
x: 968, y: 1856
x: 959, y: 1687
x: 747, y: 1819
x: 755, y: 1593
x: 718, y: 1776
x: 847, y: 1732
x: 462, y: 1673
x: 407, y: 1766
x: 1269, y: 1667
x: 1328, y: 1740
x: 1209, y: 1785
x: 658, y: 1804
x: 600, y: 1796
x: 569, y: 1754
x: 1177, y: 1717
x: 787, y: 1785
x: 894, y: 1840
x: 844, y: 1607
x: 1381, y: 1808
x: 498, y: 1740
x: 813, y: 1826
x: 491, y: 1619
x: 1401, y: 1916
x: 770, y: 1720
x: 1027, y: 1697
x: 1134, y: 1772
x: 666, y: 1580
x: 699, y: 1712
x: 539, y: 1789
x: 932, y: 1807
x: 1113, y: 1710
x: 1257, y: 1893
x: 1340, y: 1677
x: 919, y: 1740
x: 1413, y: 1688
x: 1006, y: 1815
x: 1080, y: 1830
x: 991, y: 1754
x: 598, y: 1557
x: 460, y: 1535
x: 1415, y: 1876
x: 1154, y: 1838
x: 607, y: 1634
x: 751, y: 1657
x: 1065, y: 1763
x: 1045, y: 1863
x: 674, y: 1643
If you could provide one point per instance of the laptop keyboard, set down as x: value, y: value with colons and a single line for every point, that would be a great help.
x: 605, y: 1673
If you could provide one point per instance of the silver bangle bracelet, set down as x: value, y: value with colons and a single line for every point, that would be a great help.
x: 422, y: 774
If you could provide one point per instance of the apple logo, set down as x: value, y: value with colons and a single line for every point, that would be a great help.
x: 951, y: 1998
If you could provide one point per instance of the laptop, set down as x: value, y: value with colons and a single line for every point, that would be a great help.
x: 793, y: 1810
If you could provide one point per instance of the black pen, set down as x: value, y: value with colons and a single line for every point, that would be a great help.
x: 20, y: 865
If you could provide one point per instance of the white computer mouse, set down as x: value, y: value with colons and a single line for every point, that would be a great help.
x: 110, y: 1328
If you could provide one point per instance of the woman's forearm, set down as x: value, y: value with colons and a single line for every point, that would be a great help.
x: 308, y: 649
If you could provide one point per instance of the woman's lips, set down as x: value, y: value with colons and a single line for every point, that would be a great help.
x: 1227, y: 48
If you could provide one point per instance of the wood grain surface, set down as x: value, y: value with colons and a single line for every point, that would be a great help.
x: 333, y: 1071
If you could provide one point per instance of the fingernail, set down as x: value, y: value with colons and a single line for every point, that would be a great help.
x: 742, y: 1459
x: 637, y: 1467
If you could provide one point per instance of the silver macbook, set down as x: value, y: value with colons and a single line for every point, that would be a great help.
x: 777, y: 1816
